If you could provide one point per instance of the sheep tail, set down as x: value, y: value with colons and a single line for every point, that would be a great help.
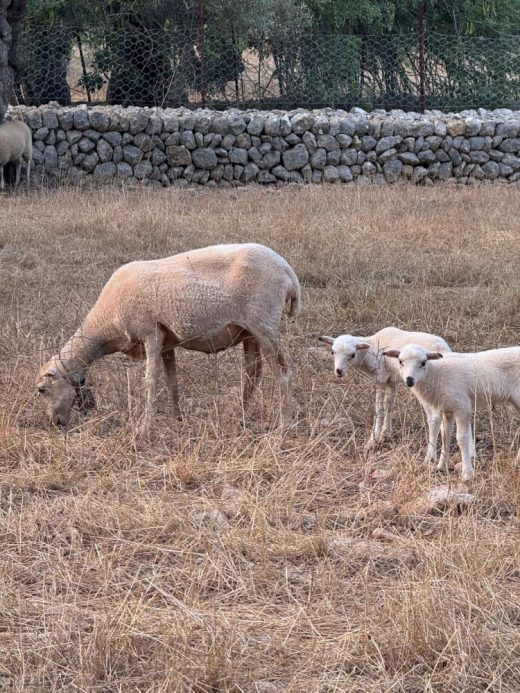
x: 293, y: 300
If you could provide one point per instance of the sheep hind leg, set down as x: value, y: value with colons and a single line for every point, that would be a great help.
x: 153, y: 347
x: 170, y: 367
x: 2, y: 184
x: 18, y: 166
x: 280, y: 366
x: 253, y: 369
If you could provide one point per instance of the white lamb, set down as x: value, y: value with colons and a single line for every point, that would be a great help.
x: 15, y: 145
x: 366, y: 354
x: 205, y: 300
x: 458, y: 384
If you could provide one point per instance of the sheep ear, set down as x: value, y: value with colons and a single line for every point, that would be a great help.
x: 392, y: 353
x: 327, y: 340
x: 434, y: 356
x: 85, y: 399
x: 361, y: 346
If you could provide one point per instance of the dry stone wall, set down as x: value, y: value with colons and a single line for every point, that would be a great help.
x: 166, y: 147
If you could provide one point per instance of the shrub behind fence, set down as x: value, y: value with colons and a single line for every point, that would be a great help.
x: 173, y: 68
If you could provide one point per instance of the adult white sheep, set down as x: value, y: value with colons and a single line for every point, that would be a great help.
x: 205, y: 300
x: 455, y: 384
x: 15, y: 145
x: 366, y: 355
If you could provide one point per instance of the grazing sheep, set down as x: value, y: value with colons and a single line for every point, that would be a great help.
x: 205, y: 300
x: 366, y: 354
x: 456, y: 385
x: 15, y: 144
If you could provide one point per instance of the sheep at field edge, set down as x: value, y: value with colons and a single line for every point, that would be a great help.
x: 15, y: 144
x: 455, y: 384
x: 366, y: 355
x: 204, y: 300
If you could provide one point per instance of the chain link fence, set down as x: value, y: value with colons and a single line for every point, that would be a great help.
x: 168, y: 68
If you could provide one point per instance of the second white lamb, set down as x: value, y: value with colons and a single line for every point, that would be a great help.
x: 455, y: 385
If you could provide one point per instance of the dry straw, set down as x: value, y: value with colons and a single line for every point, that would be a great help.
x: 218, y: 558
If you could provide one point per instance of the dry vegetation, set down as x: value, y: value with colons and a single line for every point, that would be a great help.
x: 218, y: 558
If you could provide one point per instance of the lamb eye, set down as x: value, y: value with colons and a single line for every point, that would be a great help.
x: 400, y: 363
x: 41, y: 389
x: 352, y: 356
x: 423, y: 364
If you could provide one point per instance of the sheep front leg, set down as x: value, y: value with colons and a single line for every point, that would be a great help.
x: 465, y: 442
x: 446, y: 434
x: 2, y: 184
x: 153, y: 346
x: 378, y: 421
x: 434, y: 424
x: 388, y: 404
x: 170, y: 367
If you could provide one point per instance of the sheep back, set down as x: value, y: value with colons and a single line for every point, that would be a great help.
x: 15, y: 141
x: 200, y: 291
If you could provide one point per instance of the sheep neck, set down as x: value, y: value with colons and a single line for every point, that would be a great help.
x: 369, y: 362
x: 428, y: 390
x: 84, y: 347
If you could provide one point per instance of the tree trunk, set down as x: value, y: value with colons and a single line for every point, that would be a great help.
x: 11, y: 12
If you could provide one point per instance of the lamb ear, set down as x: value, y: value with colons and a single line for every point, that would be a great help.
x: 392, y: 353
x: 85, y: 399
x: 361, y: 346
x: 434, y: 356
x: 327, y: 340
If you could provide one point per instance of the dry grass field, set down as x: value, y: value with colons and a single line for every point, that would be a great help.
x: 218, y: 558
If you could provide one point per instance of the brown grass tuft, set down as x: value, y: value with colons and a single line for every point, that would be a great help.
x: 218, y: 558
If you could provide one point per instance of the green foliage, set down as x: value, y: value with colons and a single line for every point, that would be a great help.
x: 324, y: 51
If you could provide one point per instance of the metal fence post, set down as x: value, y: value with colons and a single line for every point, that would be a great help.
x: 202, y: 49
x: 422, y: 104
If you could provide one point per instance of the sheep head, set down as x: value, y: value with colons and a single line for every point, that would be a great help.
x: 413, y: 361
x: 345, y: 349
x: 59, y: 391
